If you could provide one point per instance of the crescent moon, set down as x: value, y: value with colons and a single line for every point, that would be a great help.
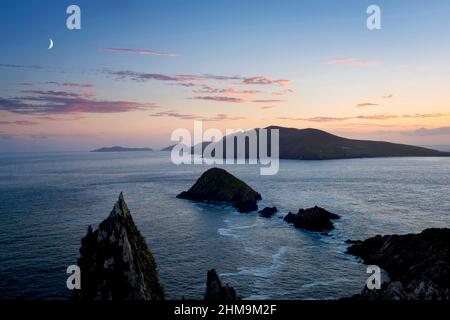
x: 51, y: 44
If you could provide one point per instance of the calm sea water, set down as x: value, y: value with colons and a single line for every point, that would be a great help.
x: 47, y: 201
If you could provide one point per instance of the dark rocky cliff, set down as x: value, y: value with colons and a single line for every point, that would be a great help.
x: 418, y: 265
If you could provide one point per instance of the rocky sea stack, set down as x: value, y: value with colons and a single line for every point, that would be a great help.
x: 116, y: 263
x: 267, y: 212
x: 217, y: 185
x: 216, y: 291
x: 312, y: 219
x: 418, y: 265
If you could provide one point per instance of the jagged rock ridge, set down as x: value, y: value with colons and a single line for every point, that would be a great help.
x: 216, y: 291
x: 116, y: 263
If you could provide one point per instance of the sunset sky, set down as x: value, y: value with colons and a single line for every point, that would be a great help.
x: 137, y: 70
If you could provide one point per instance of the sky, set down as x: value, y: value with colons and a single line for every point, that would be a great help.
x: 138, y: 70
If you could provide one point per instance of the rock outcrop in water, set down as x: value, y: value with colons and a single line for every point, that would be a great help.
x: 312, y: 219
x: 418, y: 265
x: 216, y: 291
x: 267, y: 212
x: 217, y: 185
x: 116, y: 263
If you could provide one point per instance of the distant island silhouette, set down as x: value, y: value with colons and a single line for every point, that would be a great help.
x: 315, y: 144
x: 120, y: 149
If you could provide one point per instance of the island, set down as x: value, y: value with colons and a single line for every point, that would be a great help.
x: 268, y: 212
x: 312, y: 219
x: 121, y: 149
x: 315, y: 144
x: 218, y: 185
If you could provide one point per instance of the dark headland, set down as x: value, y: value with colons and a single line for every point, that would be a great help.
x: 418, y: 265
x: 121, y: 149
x: 314, y: 144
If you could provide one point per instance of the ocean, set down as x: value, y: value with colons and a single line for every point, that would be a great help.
x: 47, y: 201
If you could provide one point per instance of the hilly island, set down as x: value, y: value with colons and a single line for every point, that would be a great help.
x: 314, y: 144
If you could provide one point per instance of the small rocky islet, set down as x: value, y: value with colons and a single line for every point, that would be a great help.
x: 313, y: 219
x: 218, y: 185
x: 267, y: 212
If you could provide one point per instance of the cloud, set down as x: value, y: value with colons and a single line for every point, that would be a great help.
x: 71, y: 84
x: 389, y: 96
x: 40, y: 136
x: 282, y: 93
x: 54, y: 93
x: 184, y: 116
x: 20, y: 66
x: 237, y: 100
x: 190, y: 80
x: 221, y: 99
x: 431, y: 132
x: 6, y: 136
x: 140, y: 52
x: 231, y: 91
x: 266, y: 81
x: 268, y: 101
x: 352, y: 62
x: 19, y: 123
x: 266, y: 107
x: 375, y: 117
x: 222, y: 116
x: 142, y: 77
x: 58, y: 102
x: 366, y: 104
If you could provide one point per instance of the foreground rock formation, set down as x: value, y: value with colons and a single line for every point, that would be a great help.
x: 216, y: 291
x: 116, y: 263
x: 312, y: 219
x: 217, y: 185
x: 418, y: 265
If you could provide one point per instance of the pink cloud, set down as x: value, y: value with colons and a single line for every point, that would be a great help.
x: 190, y: 116
x: 46, y: 103
x: 366, y: 104
x: 375, y: 117
x: 231, y: 91
x: 352, y: 62
x: 140, y: 52
x: 265, y: 81
x: 71, y: 84
x: 221, y: 99
x: 19, y: 123
x: 268, y: 101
